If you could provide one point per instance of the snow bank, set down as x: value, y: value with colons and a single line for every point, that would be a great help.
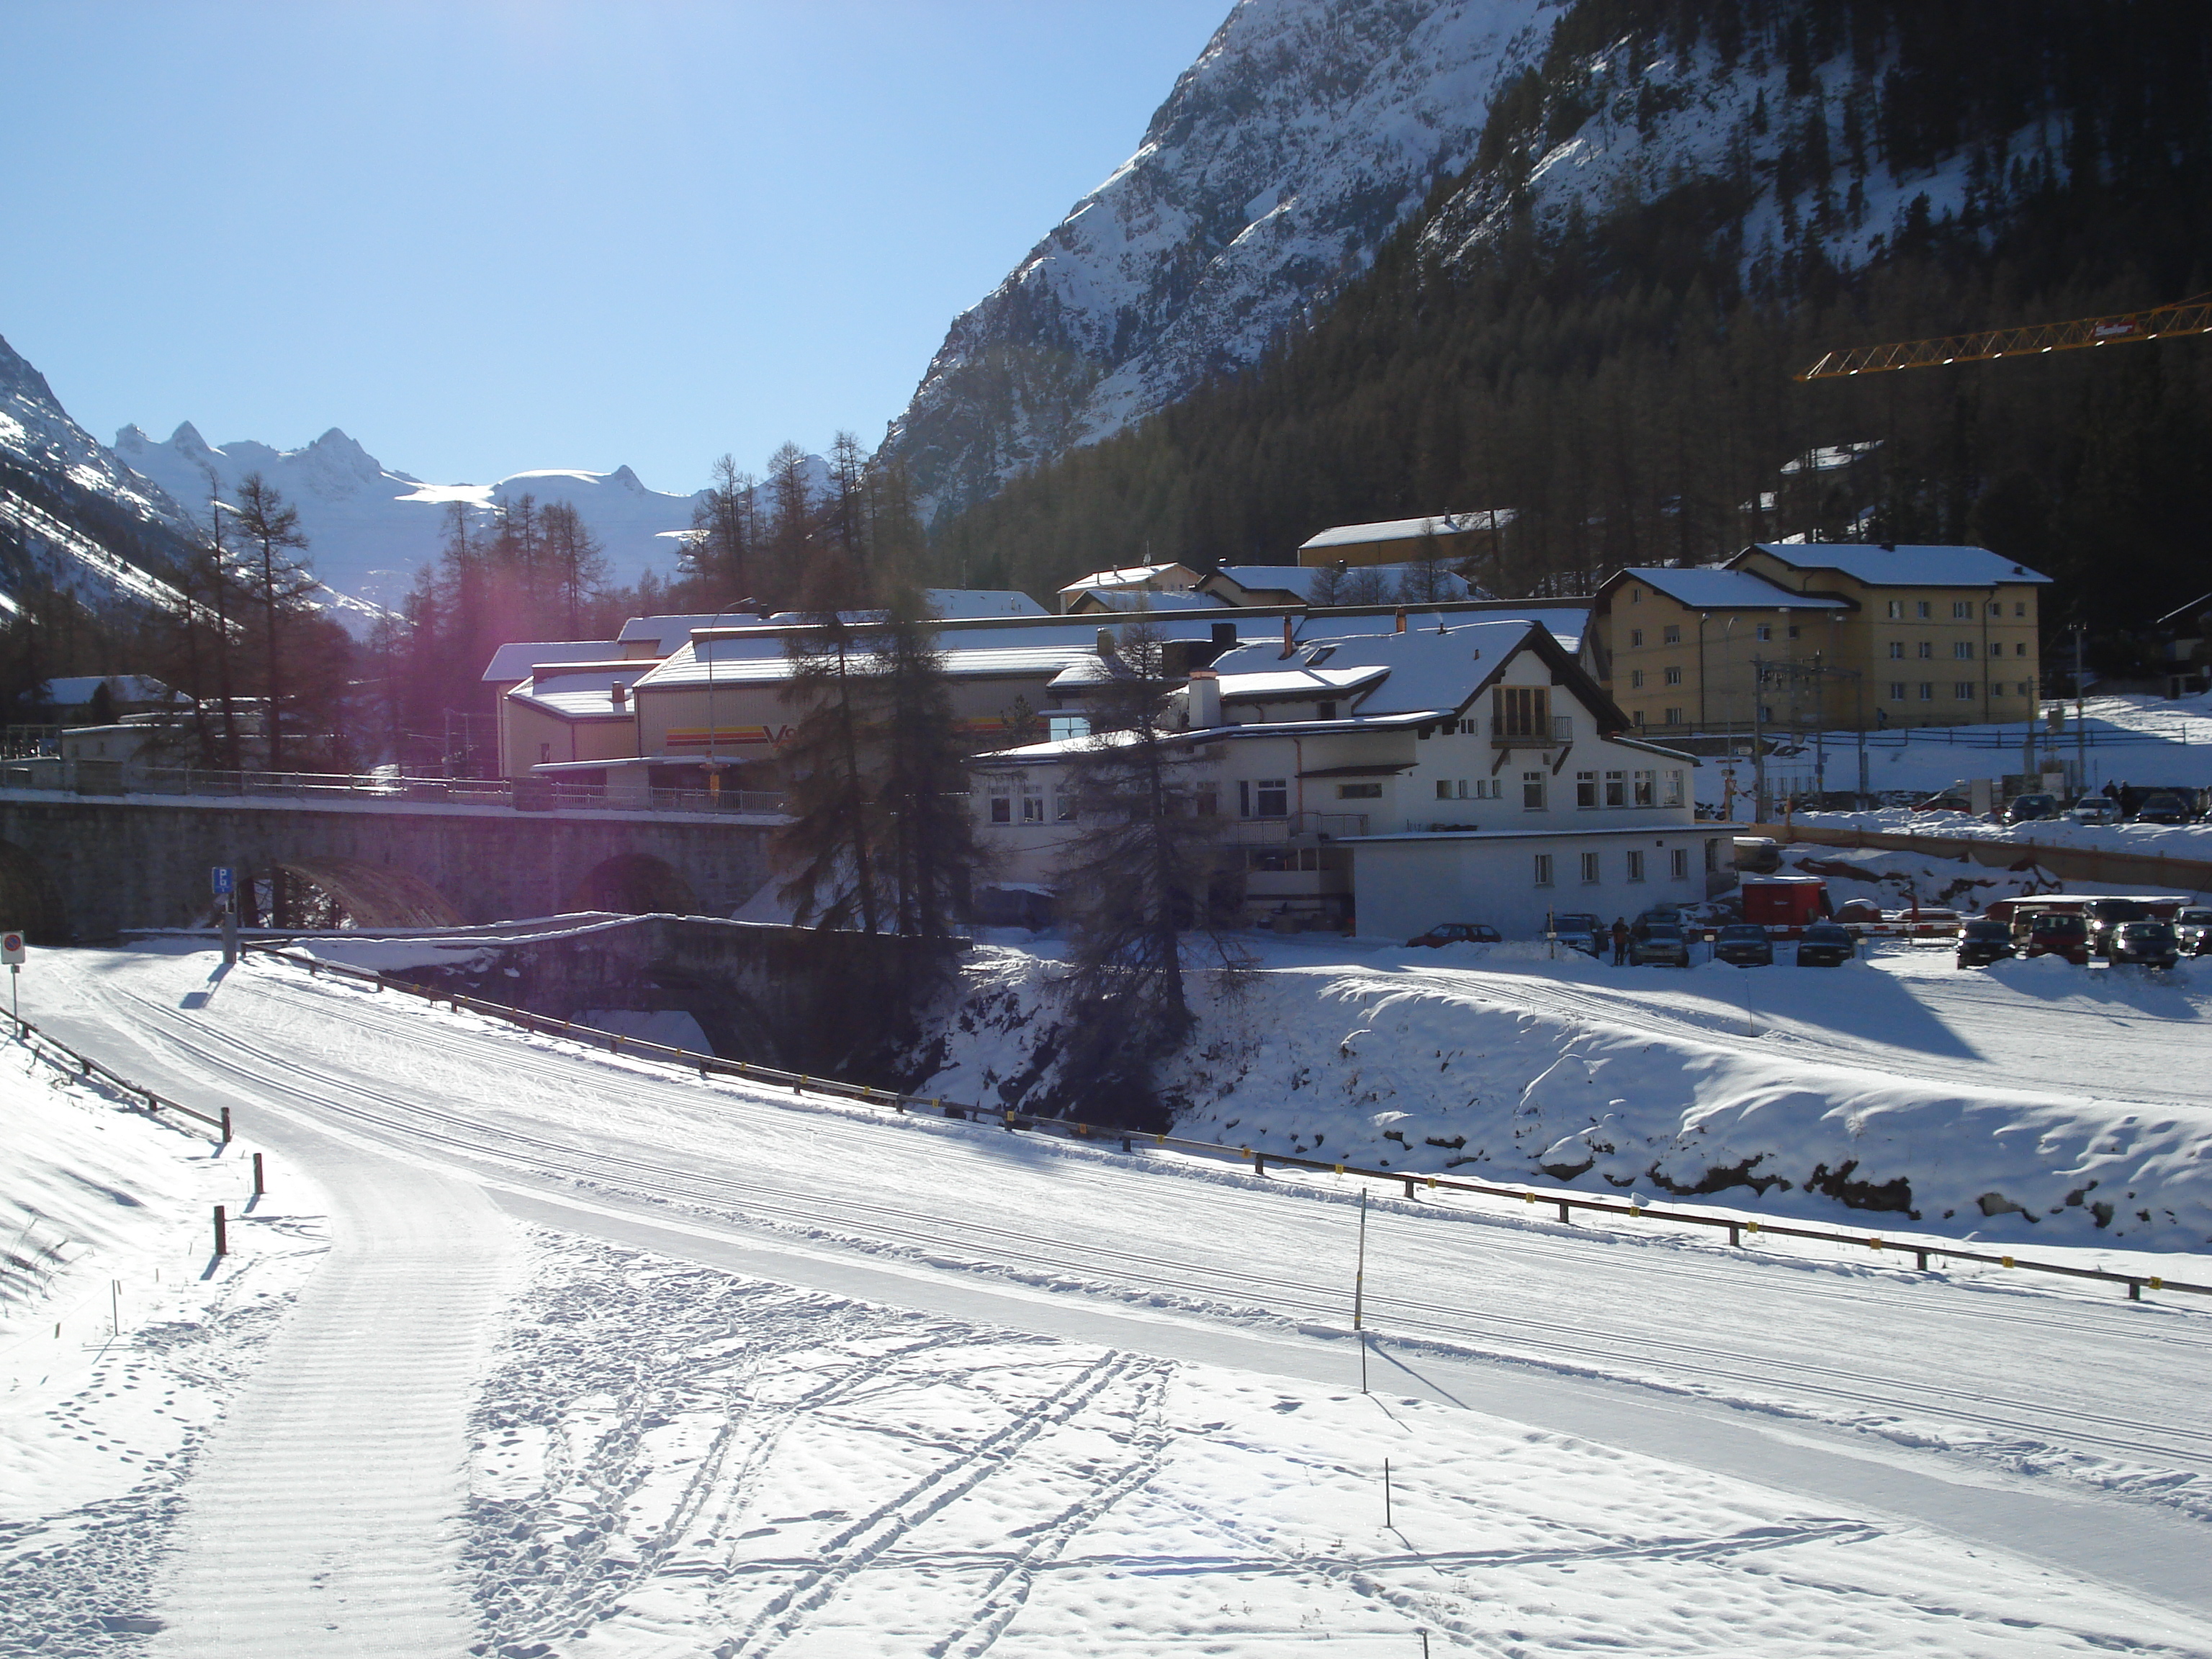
x: 1539, y: 1073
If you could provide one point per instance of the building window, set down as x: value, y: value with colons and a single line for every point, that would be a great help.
x: 2020, y: 609
x: 1671, y: 634
x: 1590, y: 870
x: 1636, y: 595
x: 1616, y: 789
x: 1674, y: 677
x: 1896, y: 649
x: 2024, y: 688
x: 1793, y: 630
x: 1927, y: 649
x: 1766, y: 713
x: 1927, y: 690
x: 1679, y: 863
x: 1359, y: 792
x: 2020, y: 649
x: 544, y: 752
x: 1062, y: 728
x: 1324, y: 711
x: 1635, y: 636
x: 1674, y: 786
x: 1002, y: 804
x: 1271, y: 798
x: 1032, y: 804
x: 1896, y: 609
x: 1444, y: 789
x: 1636, y: 679
x: 1673, y: 717
x: 1765, y: 632
x: 1963, y: 650
x: 1920, y: 609
x: 1644, y: 787
x: 1543, y: 869
x: 1996, y: 610
x: 1636, y: 865
x: 1638, y: 718
x: 1962, y: 610
x: 1063, y: 803
x: 1585, y: 789
x: 1531, y: 792
x: 1897, y: 690
x: 1963, y: 690
x: 1522, y: 711
x: 1208, y: 802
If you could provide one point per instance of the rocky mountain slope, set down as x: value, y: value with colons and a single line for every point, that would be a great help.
x: 1306, y: 132
x: 72, y: 517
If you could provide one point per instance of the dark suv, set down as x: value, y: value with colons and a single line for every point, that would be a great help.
x: 1745, y: 943
x: 1578, y: 928
x: 2025, y: 809
x: 2054, y: 933
x: 2146, y: 943
x: 1825, y: 945
x: 1981, y: 943
x: 2193, y: 926
x: 2106, y: 915
x: 2163, y: 808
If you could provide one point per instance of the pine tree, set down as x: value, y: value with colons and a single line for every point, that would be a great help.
x: 575, y: 560
x: 922, y: 787
x: 832, y: 838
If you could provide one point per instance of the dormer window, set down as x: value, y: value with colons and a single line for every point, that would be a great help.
x: 1319, y: 654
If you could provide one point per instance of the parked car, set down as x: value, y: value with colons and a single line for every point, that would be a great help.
x: 2146, y: 943
x: 1981, y: 942
x: 1859, y: 909
x: 2164, y: 808
x: 2053, y: 933
x: 1948, y: 801
x: 1578, y: 928
x: 1458, y: 933
x: 2104, y: 915
x: 1745, y: 943
x: 1825, y: 945
x: 2094, y: 809
x: 2193, y: 929
x: 1658, y: 945
x: 2026, y: 809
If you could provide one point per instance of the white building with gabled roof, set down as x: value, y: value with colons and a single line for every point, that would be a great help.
x: 1394, y: 781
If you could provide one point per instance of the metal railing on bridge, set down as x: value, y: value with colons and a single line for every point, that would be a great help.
x: 94, y: 777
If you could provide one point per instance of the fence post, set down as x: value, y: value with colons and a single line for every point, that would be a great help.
x: 1409, y: 1185
x: 222, y: 1233
x: 1563, y: 1209
x: 260, y: 1181
x: 225, y: 1132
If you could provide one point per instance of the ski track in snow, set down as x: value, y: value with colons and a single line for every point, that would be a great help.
x: 678, y: 1460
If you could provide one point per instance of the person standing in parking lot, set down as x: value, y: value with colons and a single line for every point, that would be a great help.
x: 1619, y: 940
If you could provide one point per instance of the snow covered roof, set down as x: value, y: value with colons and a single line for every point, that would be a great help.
x: 76, y: 690
x: 1397, y: 530
x: 666, y: 634
x: 584, y: 692
x: 1900, y: 566
x: 1168, y: 577
x: 1422, y: 670
x: 963, y: 603
x: 1720, y: 588
x: 1140, y: 599
x: 1298, y: 578
x: 513, y: 661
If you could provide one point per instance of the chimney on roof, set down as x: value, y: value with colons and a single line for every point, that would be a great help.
x: 1401, y: 619
x: 1289, y: 643
x: 620, y: 694
x: 1203, y: 705
x: 1106, y: 647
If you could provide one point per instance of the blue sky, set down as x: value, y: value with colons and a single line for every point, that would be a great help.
x: 482, y: 235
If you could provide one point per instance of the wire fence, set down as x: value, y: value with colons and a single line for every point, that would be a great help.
x: 1565, y: 1203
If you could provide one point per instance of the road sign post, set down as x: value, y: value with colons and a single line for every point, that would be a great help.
x: 12, y: 953
x: 224, y: 880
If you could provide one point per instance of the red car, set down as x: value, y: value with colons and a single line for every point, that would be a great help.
x: 2053, y: 933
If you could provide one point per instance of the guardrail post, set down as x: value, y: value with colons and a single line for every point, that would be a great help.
x: 2135, y: 1290
x: 222, y: 1233
x: 1259, y: 1163
x: 225, y: 1132
x: 1923, y: 1254
x: 1409, y: 1185
x: 260, y: 1182
x: 1735, y: 1233
x: 1563, y: 1209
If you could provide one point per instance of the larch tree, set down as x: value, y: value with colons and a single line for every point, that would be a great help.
x: 929, y: 849
x: 832, y: 838
x: 1146, y: 845
x: 575, y: 559
x: 278, y: 582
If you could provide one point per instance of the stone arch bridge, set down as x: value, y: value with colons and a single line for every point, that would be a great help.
x: 78, y: 869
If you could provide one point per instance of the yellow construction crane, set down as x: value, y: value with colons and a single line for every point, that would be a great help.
x: 2191, y: 316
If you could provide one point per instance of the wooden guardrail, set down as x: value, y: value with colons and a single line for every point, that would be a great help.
x: 155, y: 1104
x: 710, y: 1066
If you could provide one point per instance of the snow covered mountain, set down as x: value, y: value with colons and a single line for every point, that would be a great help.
x: 71, y: 515
x: 1305, y: 133
x: 1308, y: 130
x: 371, y: 527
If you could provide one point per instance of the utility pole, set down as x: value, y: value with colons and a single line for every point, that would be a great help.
x: 1359, y: 1292
x: 1758, y: 741
x: 2081, y: 733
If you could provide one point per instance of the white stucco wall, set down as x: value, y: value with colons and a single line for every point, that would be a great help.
x: 1406, y: 886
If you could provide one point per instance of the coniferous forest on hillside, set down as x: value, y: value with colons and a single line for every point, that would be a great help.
x: 1621, y: 383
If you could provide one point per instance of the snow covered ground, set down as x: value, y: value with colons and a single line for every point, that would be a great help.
x: 737, y: 1372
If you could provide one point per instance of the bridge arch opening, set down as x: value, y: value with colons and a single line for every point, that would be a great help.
x: 29, y: 899
x: 635, y: 884
x: 342, y: 893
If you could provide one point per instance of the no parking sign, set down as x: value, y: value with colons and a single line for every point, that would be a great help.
x: 11, y: 949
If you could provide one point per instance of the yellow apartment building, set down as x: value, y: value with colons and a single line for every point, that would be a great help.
x: 1849, y: 637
